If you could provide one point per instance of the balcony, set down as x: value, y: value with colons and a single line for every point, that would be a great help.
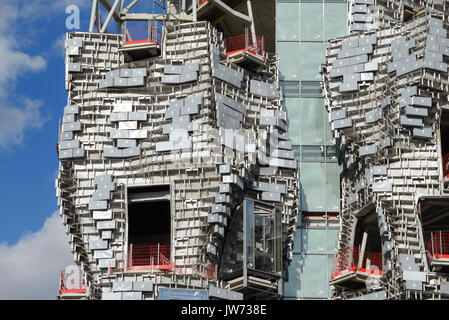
x: 438, y: 247
x: 142, y: 41
x: 349, y: 272
x: 71, y: 286
x: 246, y: 50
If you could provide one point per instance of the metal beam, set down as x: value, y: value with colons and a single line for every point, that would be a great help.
x: 129, y: 7
x: 362, y: 249
x: 224, y: 7
x: 155, y: 17
x: 194, y: 6
x: 93, y: 15
x: 111, y: 13
x: 108, y: 5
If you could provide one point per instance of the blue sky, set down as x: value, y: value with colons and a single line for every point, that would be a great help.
x: 33, y: 243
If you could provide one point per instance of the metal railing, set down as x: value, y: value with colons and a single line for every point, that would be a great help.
x: 147, y: 33
x: 347, y: 260
x: 247, y: 42
x: 148, y: 255
x: 438, y: 245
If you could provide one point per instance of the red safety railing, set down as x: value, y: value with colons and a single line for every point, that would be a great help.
x: 438, y: 245
x: 143, y: 34
x: 200, y: 3
x: 446, y: 165
x: 347, y: 260
x: 152, y: 257
x: 204, y: 271
x: 71, y: 284
x: 245, y: 42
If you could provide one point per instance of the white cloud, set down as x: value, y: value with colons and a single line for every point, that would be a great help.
x: 30, y: 269
x: 14, y: 121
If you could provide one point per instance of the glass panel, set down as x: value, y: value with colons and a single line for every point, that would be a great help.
x: 311, y: 21
x: 287, y: 21
x: 292, y: 108
x: 290, y: 88
x: 288, y: 60
x: 333, y: 187
x: 311, y: 88
x: 313, y: 240
x: 313, y: 280
x: 332, y: 241
x: 312, y: 187
x: 249, y: 233
x: 312, y: 54
x: 335, y: 15
x: 292, y: 287
x: 312, y: 153
x: 311, y: 116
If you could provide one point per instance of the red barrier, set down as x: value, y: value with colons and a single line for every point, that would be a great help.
x: 245, y: 42
x: 143, y: 34
x: 347, y: 260
x: 446, y: 165
x: 75, y: 286
x: 438, y: 245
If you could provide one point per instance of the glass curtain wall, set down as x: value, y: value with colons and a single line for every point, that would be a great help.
x: 302, y: 29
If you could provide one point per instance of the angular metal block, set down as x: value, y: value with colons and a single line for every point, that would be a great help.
x: 132, y: 295
x: 413, y: 285
x: 126, y: 143
x: 131, y: 152
x: 103, y: 254
x: 66, y: 136
x: 125, y: 73
x: 74, y: 67
x: 139, y: 72
x: 382, y: 187
x: 188, y: 77
x: 120, y: 82
x: 411, y: 122
x: 127, y: 125
x: 349, y: 87
x: 111, y: 296
x: 106, y: 225
x: 119, y: 134
x: 101, y: 195
x: 137, y: 116
x: 118, y: 116
x: 98, y: 244
x: 106, y: 235
x: 367, y: 150
x: 102, y: 215
x: 65, y: 154
x: 173, y: 69
x: 71, y: 126
x: 379, y: 170
x: 98, y: 205
x: 413, y: 111
x: 421, y: 101
x: 112, y: 153
x: 136, y: 82
x: 119, y: 286
x: 426, y: 132
x: 342, y: 123
x: 70, y: 144
x: 193, y: 67
x: 144, y: 286
x: 78, y: 153
x: 171, y: 79
x: 68, y: 118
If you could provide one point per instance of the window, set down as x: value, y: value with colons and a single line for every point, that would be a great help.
x: 311, y: 21
x: 288, y: 63
x: 314, y: 280
x: 312, y: 187
x: 312, y: 120
x: 149, y: 225
x: 287, y: 21
x: 335, y: 20
x: 312, y: 56
x: 312, y: 240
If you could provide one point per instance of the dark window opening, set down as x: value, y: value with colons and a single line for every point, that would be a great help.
x: 435, y: 226
x: 444, y: 132
x: 365, y: 256
x: 149, y: 226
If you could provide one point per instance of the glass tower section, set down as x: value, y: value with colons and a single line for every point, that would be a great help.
x: 302, y: 29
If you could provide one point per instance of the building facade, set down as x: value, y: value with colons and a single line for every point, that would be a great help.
x: 386, y: 90
x: 177, y: 179
x: 302, y: 31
